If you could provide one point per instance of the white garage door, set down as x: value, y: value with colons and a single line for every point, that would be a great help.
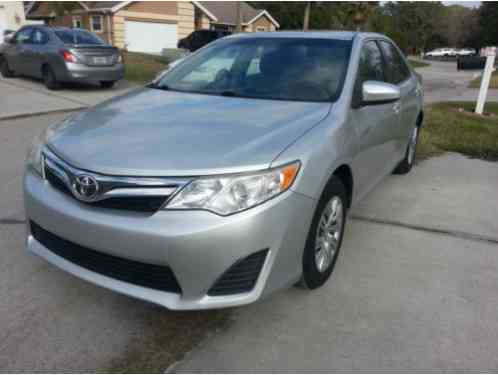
x: 150, y: 37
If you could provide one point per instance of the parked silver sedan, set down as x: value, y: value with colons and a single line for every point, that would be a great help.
x: 231, y: 175
x: 60, y: 55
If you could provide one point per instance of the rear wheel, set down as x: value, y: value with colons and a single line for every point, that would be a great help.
x: 107, y: 84
x: 49, y: 79
x: 407, y: 163
x: 325, y: 235
x: 5, y: 69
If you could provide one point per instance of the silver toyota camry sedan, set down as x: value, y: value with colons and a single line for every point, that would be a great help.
x: 231, y: 175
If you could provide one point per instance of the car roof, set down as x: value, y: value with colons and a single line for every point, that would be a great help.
x: 342, y: 35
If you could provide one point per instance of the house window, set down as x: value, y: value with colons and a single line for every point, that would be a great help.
x: 260, y: 28
x: 96, y: 23
x: 77, y: 22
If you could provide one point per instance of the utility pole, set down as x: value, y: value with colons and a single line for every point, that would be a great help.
x: 306, y: 21
x: 238, y: 26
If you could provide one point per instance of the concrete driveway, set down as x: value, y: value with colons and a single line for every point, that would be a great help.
x: 414, y: 287
x: 27, y: 97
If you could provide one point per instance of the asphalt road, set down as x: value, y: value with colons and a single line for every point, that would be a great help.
x: 415, y: 286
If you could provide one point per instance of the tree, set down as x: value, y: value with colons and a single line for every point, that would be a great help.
x: 488, y: 22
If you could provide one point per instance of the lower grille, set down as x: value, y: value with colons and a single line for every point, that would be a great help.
x: 130, y: 271
x: 140, y: 204
x: 241, y: 277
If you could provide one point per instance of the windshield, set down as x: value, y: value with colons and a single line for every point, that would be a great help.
x: 265, y: 68
x: 78, y: 37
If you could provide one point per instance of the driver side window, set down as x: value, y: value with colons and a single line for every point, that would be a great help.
x: 370, y: 68
x: 24, y: 36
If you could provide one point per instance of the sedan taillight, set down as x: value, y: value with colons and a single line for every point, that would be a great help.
x: 68, y: 56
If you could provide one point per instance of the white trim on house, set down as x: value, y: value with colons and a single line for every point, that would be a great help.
x: 82, y: 3
x: 120, y: 6
x: 207, y: 12
x: 101, y: 23
x: 264, y: 13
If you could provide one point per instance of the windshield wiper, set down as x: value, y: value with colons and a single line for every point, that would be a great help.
x: 229, y: 93
x: 158, y: 87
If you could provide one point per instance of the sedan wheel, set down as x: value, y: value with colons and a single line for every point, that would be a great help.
x: 407, y: 163
x: 49, y: 79
x: 328, y: 234
x: 5, y: 70
x: 325, y: 235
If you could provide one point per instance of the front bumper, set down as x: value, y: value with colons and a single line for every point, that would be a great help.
x: 197, y: 246
x: 83, y: 73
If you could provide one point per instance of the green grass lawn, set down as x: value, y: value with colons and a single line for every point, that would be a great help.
x: 493, y: 84
x: 447, y: 129
x: 418, y: 64
x: 141, y: 67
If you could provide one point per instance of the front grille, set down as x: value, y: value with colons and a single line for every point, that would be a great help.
x: 130, y: 271
x: 139, y: 204
x: 241, y: 277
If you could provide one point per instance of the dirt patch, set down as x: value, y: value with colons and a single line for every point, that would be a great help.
x: 166, y: 337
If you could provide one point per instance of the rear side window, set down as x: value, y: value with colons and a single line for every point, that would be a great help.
x: 396, y: 69
x: 39, y: 37
x: 78, y: 37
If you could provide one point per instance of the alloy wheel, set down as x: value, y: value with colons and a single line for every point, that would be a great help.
x: 328, y: 234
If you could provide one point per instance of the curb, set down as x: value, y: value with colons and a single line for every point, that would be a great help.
x: 35, y: 114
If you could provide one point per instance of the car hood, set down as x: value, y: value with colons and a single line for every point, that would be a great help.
x: 150, y: 132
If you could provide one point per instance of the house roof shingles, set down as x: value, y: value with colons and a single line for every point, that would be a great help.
x: 226, y: 11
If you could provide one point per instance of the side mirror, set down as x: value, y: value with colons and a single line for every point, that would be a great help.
x: 374, y: 92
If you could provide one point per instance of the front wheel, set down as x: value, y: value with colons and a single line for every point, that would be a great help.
x: 325, y: 235
x: 407, y: 163
x: 5, y: 69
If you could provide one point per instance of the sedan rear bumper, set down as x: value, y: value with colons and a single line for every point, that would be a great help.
x: 199, y: 247
x: 85, y: 73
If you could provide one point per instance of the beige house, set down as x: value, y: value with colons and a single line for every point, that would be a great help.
x: 11, y: 16
x: 150, y: 26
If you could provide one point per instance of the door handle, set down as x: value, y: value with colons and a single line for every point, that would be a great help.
x: 397, y: 108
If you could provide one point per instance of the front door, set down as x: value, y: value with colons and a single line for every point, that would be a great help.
x: 374, y: 124
x: 17, y: 53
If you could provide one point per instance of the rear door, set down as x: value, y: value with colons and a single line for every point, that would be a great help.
x: 398, y: 73
x: 373, y: 123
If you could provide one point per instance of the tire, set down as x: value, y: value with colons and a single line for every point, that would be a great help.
x: 406, y: 164
x: 49, y: 79
x: 5, y: 70
x: 107, y: 84
x: 315, y: 275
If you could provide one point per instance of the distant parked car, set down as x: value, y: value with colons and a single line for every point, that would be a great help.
x: 200, y: 38
x: 466, y: 52
x: 442, y: 52
x: 60, y: 55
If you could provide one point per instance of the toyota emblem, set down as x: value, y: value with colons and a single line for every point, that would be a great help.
x: 86, y: 188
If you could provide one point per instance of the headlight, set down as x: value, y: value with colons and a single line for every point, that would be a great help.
x: 34, y: 158
x: 226, y: 195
